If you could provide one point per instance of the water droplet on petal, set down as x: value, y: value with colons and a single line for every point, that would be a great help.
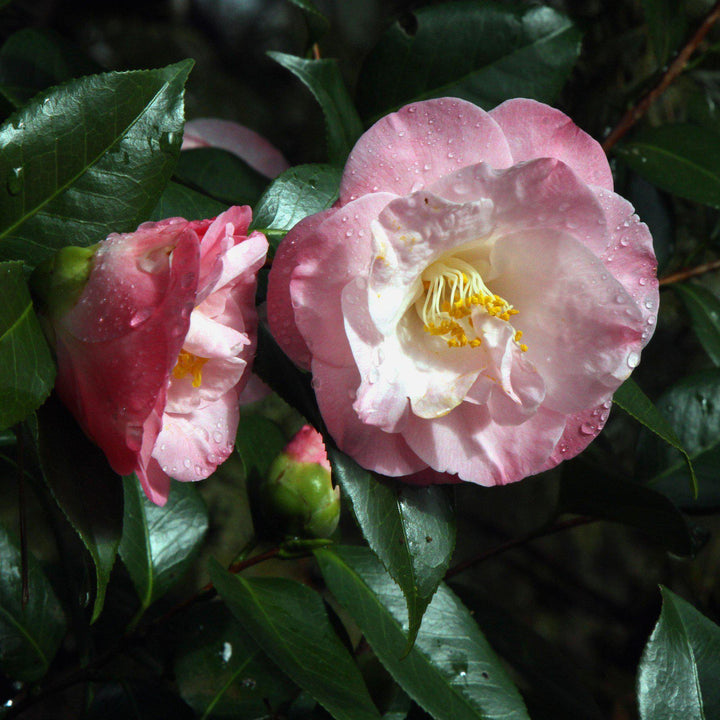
x: 633, y: 360
x: 587, y: 428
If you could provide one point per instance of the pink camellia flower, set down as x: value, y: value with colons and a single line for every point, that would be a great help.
x: 475, y: 296
x: 155, y: 349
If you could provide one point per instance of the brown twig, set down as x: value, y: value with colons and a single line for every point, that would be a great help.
x: 518, y: 542
x: 686, y: 273
x: 673, y: 70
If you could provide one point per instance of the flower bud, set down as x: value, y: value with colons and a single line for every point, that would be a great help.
x: 297, y: 496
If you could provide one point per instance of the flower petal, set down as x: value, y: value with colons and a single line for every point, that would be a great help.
x: 534, y: 130
x: 418, y: 144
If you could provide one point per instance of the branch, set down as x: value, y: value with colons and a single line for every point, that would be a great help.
x: 681, y: 275
x: 673, y: 70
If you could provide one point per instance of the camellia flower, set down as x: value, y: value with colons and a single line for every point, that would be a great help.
x: 154, y: 332
x: 474, y: 298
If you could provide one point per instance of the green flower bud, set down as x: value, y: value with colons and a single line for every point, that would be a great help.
x: 297, y: 497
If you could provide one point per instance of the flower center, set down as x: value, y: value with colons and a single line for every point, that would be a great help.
x: 453, y: 289
x: 189, y: 364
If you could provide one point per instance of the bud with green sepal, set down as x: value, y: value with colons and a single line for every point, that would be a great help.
x: 297, y: 497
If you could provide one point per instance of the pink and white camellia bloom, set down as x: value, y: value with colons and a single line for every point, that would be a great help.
x: 152, y: 356
x: 474, y: 298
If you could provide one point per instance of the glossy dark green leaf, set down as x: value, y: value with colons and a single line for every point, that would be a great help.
x: 259, y: 440
x: 301, y: 191
x: 410, y: 528
x: 594, y: 491
x: 30, y: 635
x: 682, y: 159
x: 221, y: 672
x: 89, y: 158
x: 34, y: 59
x: 692, y: 408
x: 27, y: 371
x: 88, y: 492
x: 481, y: 52
x: 451, y: 671
x: 221, y: 175
x: 288, y: 621
x: 180, y: 201
x: 158, y: 543
x: 324, y: 80
x: 704, y: 309
x: 679, y: 670
x: 667, y: 26
x: 637, y: 404
x: 318, y: 24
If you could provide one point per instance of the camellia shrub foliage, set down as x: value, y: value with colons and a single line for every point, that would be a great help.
x: 371, y: 374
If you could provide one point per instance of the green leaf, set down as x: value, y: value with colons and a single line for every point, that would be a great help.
x: 692, y: 408
x: 323, y: 79
x: 410, y: 528
x: 704, y: 308
x: 301, y: 191
x: 30, y: 635
x: 679, y: 670
x: 88, y: 492
x: 667, y: 26
x: 318, y: 24
x: 180, y: 201
x: 451, y: 671
x: 221, y: 672
x: 482, y: 52
x: 288, y: 621
x: 28, y: 371
x: 34, y: 59
x: 259, y: 441
x: 221, y: 175
x: 682, y: 159
x: 595, y: 491
x: 90, y: 158
x: 136, y: 699
x: 637, y: 404
x: 158, y: 543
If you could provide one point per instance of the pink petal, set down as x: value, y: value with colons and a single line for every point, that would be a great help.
x: 190, y: 446
x: 419, y: 144
x: 386, y: 453
x: 539, y: 193
x: 254, y: 149
x: 581, y: 327
x: 114, y: 363
x: 534, y: 130
x: 336, y: 253
x: 281, y: 314
x: 468, y: 443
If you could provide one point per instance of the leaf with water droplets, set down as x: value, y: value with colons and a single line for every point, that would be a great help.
x: 451, y: 671
x: 681, y: 158
x: 487, y: 49
x: 679, y: 669
x: 636, y: 403
x: 27, y: 371
x: 692, y: 408
x: 158, y: 543
x: 96, y: 164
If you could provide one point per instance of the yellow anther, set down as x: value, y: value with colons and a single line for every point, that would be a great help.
x: 518, y: 335
x: 523, y: 347
x: 189, y: 364
x: 475, y: 342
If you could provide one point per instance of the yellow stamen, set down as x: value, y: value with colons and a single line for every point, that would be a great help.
x: 189, y: 364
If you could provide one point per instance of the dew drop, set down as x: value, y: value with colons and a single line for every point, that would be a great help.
x: 140, y: 317
x: 651, y: 320
x: 411, y: 109
x: 587, y: 428
x: 633, y: 360
x: 217, y: 436
x: 643, y: 281
x: 186, y: 462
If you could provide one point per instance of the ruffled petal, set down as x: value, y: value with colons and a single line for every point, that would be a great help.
x: 386, y: 453
x: 581, y: 327
x: 418, y: 144
x: 535, y: 130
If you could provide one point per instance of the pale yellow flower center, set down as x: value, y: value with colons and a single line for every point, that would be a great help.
x: 189, y: 364
x: 453, y: 289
